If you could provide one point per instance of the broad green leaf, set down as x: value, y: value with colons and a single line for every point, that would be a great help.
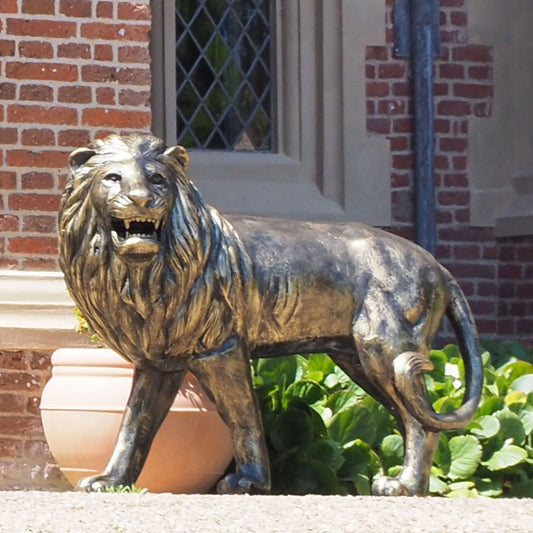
x: 362, y: 485
x: 290, y: 429
x: 304, y: 389
x: 325, y: 474
x: 465, y: 451
x: 352, y: 423
x: 437, y: 486
x: 489, y: 487
x: 513, y: 371
x: 341, y: 399
x: 490, y: 406
x: 328, y: 452
x: 522, y: 489
x: 356, y: 460
x: 508, y: 455
x: 515, y: 399
x: 442, y: 455
x: 523, y: 383
x: 316, y: 376
x: 320, y: 363
x: 526, y: 417
x: 510, y: 427
x: 392, y: 450
x: 484, y: 427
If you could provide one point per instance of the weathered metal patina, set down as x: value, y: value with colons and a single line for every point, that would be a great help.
x: 172, y: 285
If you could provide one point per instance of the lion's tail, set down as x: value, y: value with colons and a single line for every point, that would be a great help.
x: 410, y: 366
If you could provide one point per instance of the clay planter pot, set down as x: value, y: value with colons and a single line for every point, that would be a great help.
x: 82, y: 407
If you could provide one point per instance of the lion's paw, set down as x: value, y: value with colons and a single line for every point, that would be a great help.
x: 389, y: 486
x: 240, y: 484
x: 97, y: 483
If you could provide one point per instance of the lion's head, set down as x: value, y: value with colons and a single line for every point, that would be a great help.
x: 138, y: 247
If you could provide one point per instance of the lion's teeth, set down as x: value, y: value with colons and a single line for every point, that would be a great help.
x: 127, y: 224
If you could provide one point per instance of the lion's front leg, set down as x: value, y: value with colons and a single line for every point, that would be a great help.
x: 226, y: 377
x: 150, y: 399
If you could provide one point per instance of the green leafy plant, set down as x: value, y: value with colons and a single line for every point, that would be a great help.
x: 121, y: 489
x: 326, y: 435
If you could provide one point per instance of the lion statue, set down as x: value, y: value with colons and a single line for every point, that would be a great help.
x: 172, y: 285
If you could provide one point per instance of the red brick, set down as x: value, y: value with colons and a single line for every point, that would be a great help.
x: 33, y: 245
x: 8, y: 180
x: 378, y: 53
x: 103, y: 52
x: 42, y: 71
x: 34, y: 202
x: 458, y: 18
x: 442, y: 125
x: 8, y: 135
x: 399, y: 143
x: 134, y: 98
x: 10, y: 449
x: 104, y: 10
x: 133, y: 11
x: 478, y: 53
x: 12, y: 403
x: 480, y: 72
x: 98, y: 73
x: 473, y: 271
x: 470, y: 252
x: 133, y: 54
x: 370, y: 72
x: 36, y: 49
x: 29, y: 426
x: 37, y: 180
x: 117, y: 118
x: 391, y: 71
x: 39, y: 224
x: 401, y: 88
x: 38, y: 7
x: 76, y: 8
x: 73, y: 138
x: 377, y: 89
x: 38, y: 137
x: 74, y: 50
x: 41, y: 28
x: 402, y: 125
x: 392, y: 107
x: 134, y: 76
x: 9, y: 223
x: 472, y: 90
x: 7, y: 48
x: 42, y: 115
x: 75, y: 94
x: 452, y: 71
x: 453, y: 108
x: 37, y: 159
x: 402, y: 162
x: 8, y: 91
x: 483, y: 110
x: 378, y: 125
x: 453, y: 144
x: 456, y: 180
x: 37, y: 449
x: 36, y: 93
x: 110, y: 32
x: 105, y: 96
x: 8, y: 6
x: 453, y: 197
x: 510, y: 271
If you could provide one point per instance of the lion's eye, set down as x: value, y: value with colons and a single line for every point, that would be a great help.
x: 113, y: 177
x: 157, y: 179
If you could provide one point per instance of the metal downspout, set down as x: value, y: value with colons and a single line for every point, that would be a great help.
x: 416, y: 30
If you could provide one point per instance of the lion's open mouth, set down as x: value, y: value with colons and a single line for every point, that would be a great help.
x: 136, y: 235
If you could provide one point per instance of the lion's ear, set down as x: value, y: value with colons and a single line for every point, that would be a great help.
x: 180, y: 154
x: 79, y: 157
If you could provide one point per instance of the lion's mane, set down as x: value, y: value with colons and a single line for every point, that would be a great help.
x: 181, y: 302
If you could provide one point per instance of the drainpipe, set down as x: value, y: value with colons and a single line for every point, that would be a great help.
x: 416, y: 31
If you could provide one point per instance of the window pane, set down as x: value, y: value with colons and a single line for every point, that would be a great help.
x: 224, y: 74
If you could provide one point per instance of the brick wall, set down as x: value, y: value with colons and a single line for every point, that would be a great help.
x: 493, y: 274
x: 25, y: 459
x: 70, y: 71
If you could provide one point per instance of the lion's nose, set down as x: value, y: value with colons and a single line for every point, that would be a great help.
x: 140, y: 198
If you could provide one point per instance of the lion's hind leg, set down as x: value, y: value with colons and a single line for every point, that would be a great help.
x: 384, y: 355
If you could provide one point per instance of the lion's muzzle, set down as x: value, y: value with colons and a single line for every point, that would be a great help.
x: 138, y: 236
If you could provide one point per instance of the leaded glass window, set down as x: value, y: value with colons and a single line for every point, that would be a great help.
x: 224, y: 74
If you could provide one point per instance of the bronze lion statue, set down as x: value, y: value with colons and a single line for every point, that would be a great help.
x: 172, y: 285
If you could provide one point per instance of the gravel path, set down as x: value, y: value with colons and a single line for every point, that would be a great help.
x: 72, y: 512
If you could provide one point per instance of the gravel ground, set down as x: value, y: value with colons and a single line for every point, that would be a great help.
x: 72, y: 512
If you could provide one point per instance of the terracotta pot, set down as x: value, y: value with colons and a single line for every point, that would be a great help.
x: 82, y: 407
